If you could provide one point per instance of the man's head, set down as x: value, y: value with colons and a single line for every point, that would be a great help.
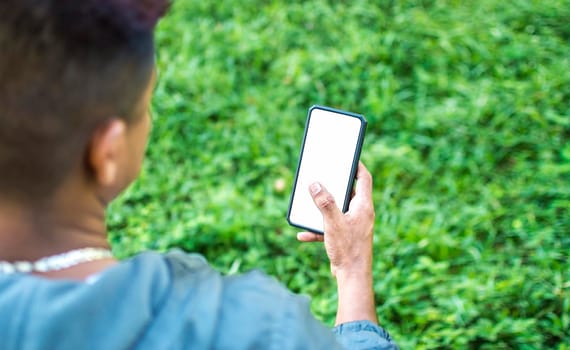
x: 69, y: 72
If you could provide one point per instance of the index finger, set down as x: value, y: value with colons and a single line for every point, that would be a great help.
x: 310, y: 237
x: 363, y: 191
x: 364, y: 184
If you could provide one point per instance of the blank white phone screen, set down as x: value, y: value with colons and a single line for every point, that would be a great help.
x: 328, y: 155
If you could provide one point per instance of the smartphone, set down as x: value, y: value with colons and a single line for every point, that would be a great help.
x: 329, y: 155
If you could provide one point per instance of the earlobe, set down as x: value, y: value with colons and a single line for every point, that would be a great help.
x: 104, y: 154
x: 108, y: 174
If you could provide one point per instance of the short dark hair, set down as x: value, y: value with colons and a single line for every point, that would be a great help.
x: 65, y: 67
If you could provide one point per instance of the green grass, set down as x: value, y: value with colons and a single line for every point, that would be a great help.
x: 468, y: 106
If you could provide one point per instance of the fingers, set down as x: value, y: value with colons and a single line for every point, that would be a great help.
x: 310, y: 237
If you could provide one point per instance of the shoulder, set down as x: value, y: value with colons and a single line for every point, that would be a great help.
x: 254, y: 291
x: 256, y: 284
x: 256, y: 296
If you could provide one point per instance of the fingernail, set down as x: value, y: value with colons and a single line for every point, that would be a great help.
x: 315, y: 188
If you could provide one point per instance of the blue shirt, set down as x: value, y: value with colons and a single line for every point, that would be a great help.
x: 171, y: 301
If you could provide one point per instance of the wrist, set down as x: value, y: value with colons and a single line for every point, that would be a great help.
x: 355, y: 296
x: 360, y: 279
x: 356, y: 270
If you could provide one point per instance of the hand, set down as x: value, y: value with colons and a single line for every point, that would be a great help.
x: 348, y: 236
x: 348, y: 241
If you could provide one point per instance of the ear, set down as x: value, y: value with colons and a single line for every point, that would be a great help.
x: 105, y: 152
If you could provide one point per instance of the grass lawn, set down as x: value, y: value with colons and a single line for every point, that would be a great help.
x: 468, y: 104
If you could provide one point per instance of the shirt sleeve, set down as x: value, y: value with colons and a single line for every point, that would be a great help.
x: 363, y: 335
x: 312, y: 334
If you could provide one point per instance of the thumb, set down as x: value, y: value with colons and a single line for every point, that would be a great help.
x: 325, y: 202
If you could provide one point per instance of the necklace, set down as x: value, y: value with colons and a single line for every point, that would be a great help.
x: 55, y: 262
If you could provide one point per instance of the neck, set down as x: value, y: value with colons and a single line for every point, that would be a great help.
x: 28, y: 233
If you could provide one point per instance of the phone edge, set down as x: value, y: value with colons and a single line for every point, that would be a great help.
x: 353, y: 170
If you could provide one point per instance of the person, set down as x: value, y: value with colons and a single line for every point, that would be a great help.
x: 76, y: 78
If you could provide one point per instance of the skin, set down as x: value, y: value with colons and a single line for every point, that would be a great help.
x: 75, y: 216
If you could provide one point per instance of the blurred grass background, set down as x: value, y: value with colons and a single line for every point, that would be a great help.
x: 468, y: 104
